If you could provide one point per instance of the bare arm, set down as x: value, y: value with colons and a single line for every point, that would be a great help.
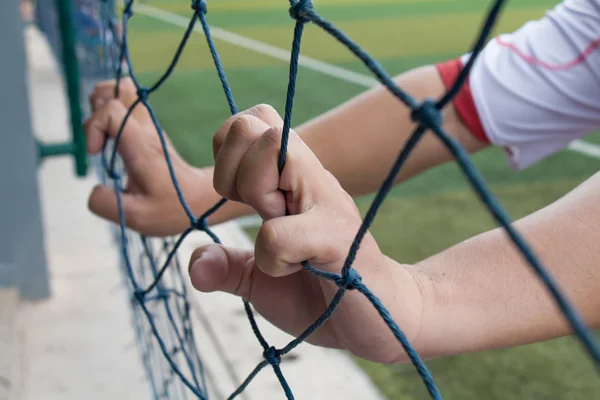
x: 481, y: 294
x: 359, y: 140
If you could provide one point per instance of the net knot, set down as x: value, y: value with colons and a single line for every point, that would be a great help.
x: 112, y: 174
x: 301, y: 9
x: 427, y: 114
x: 199, y: 6
x: 201, y: 224
x: 349, y: 280
x: 272, y: 356
x: 139, y: 295
x: 143, y: 94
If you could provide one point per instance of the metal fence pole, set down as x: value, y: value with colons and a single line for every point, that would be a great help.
x: 21, y: 230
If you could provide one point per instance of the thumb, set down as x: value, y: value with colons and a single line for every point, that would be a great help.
x: 215, y: 267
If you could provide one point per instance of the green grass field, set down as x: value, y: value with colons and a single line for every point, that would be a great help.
x: 424, y: 215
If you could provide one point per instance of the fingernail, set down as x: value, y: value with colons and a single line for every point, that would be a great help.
x: 202, y: 272
x: 198, y: 266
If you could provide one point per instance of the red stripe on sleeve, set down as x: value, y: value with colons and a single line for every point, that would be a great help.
x: 463, y: 101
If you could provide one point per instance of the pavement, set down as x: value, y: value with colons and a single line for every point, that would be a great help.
x: 80, y: 343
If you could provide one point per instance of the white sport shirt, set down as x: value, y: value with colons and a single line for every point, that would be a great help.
x: 537, y: 89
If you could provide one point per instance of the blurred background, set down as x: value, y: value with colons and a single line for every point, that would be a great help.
x: 422, y: 216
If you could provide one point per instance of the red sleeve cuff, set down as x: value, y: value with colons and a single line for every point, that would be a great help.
x: 463, y: 101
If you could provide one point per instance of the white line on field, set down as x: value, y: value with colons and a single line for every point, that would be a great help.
x: 579, y: 146
x: 260, y: 47
x: 589, y: 149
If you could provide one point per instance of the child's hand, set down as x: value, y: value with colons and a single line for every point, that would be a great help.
x: 322, y: 223
x: 150, y: 202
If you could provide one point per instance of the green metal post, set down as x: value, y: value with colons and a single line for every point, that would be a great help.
x: 57, y: 149
x: 71, y: 68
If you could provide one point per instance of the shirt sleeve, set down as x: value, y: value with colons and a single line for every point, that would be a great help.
x: 537, y: 89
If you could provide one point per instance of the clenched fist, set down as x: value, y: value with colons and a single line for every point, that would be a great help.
x: 319, y: 226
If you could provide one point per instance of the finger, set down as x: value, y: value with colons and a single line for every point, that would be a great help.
x: 243, y: 132
x: 127, y: 91
x: 104, y: 92
x: 260, y: 186
x: 283, y: 243
x: 215, y: 267
x: 264, y: 112
x: 106, y: 122
x: 103, y: 202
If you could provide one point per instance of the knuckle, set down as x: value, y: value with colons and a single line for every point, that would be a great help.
x: 266, y: 113
x: 268, y: 238
x: 219, y: 184
x: 223, y: 189
x: 263, y: 109
x: 221, y: 133
x: 217, y: 141
x: 241, y: 127
x: 272, y: 137
x: 223, y: 184
x: 99, y: 87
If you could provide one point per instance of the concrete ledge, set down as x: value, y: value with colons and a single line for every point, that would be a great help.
x: 9, y: 347
x: 79, y: 343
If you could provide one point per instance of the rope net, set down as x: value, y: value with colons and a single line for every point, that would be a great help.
x: 159, y: 300
x: 162, y: 319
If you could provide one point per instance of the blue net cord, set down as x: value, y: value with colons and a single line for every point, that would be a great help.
x: 427, y: 114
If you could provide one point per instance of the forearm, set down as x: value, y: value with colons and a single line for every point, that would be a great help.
x: 481, y: 294
x: 359, y: 140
